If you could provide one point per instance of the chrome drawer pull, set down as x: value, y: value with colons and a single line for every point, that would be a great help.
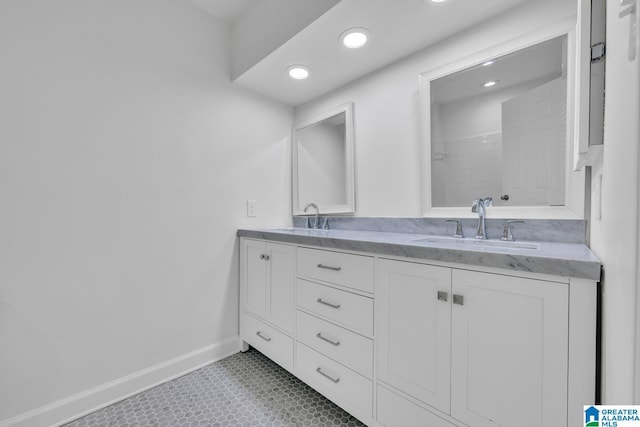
x: 443, y: 296
x: 319, y: 300
x: 328, y: 267
x: 259, y: 333
x: 319, y: 335
x: 458, y: 299
x: 335, y: 380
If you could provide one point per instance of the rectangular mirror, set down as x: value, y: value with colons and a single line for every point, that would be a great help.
x: 498, y: 130
x: 322, y: 161
x: 501, y: 126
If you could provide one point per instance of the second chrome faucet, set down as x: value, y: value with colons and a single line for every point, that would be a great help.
x: 479, y: 206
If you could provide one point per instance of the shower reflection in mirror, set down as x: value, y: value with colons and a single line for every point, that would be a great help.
x: 499, y: 129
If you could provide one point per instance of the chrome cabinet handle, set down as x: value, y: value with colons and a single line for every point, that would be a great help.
x: 332, y: 342
x: 329, y: 267
x: 335, y: 380
x: 443, y: 296
x: 264, y: 257
x: 458, y: 299
x: 321, y: 301
x: 259, y: 333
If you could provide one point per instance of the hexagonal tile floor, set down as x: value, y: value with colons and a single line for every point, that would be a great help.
x: 246, y: 389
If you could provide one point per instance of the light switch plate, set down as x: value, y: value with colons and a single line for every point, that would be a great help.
x: 251, y: 208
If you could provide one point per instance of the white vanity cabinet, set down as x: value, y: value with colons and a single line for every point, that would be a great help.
x: 406, y: 342
x: 267, y: 281
x: 484, y: 349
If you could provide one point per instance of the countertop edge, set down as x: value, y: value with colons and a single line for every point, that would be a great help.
x: 564, y: 267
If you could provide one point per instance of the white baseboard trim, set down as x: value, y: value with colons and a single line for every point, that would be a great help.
x: 83, y: 403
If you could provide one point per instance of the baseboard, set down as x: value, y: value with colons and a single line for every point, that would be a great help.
x: 83, y: 403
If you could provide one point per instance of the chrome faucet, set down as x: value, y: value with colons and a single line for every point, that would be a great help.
x: 459, y: 233
x: 316, y: 222
x: 479, y: 206
x: 507, y: 231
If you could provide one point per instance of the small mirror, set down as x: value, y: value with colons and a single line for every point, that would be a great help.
x: 501, y: 128
x: 323, y: 162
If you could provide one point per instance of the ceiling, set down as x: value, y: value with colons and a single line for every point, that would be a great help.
x: 227, y: 10
x: 537, y: 64
x: 398, y: 28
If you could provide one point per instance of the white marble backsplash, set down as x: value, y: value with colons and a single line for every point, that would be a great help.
x: 538, y: 230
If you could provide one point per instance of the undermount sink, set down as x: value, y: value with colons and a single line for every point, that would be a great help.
x: 478, y: 243
x: 298, y: 230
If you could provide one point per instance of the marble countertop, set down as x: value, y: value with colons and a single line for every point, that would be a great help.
x: 559, y: 259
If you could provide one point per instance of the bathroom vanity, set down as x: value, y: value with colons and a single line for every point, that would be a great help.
x: 403, y: 329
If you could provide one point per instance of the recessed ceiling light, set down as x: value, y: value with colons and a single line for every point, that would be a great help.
x: 438, y: 1
x: 354, y: 38
x: 298, y: 72
x: 490, y: 83
x: 486, y: 64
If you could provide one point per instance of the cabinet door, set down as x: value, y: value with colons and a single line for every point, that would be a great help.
x: 253, y: 280
x: 281, y: 284
x: 509, y: 351
x: 414, y: 326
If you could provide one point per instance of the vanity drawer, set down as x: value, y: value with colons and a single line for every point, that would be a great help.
x: 268, y: 340
x: 331, y: 378
x: 348, y: 348
x: 345, y: 308
x: 354, y: 271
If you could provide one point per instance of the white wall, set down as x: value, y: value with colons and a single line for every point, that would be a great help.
x: 614, y: 237
x: 126, y: 159
x: 387, y: 146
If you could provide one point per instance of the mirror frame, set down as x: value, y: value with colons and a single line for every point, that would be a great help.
x: 575, y: 189
x: 350, y: 206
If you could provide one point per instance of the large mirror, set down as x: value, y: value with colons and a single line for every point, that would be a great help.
x: 502, y: 127
x: 323, y: 172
